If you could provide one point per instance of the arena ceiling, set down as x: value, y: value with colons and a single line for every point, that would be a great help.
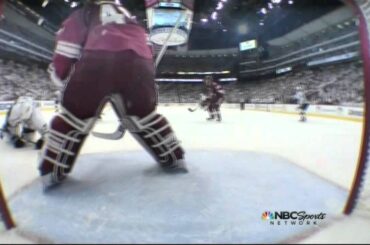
x: 238, y: 20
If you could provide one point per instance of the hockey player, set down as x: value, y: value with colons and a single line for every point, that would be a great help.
x: 302, y: 104
x: 215, y: 94
x: 22, y: 121
x: 102, y: 55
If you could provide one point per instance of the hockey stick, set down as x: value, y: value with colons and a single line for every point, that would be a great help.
x: 165, y: 44
x: 193, y: 109
x: 118, y: 134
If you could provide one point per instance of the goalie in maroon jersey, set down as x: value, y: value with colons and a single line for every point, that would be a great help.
x: 215, y: 95
x: 103, y: 55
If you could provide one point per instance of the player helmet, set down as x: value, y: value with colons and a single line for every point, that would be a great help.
x: 208, y: 79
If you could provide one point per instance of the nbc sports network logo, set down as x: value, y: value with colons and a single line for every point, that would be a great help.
x: 292, y: 218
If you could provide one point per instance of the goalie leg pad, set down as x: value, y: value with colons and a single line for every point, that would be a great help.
x: 155, y: 134
x: 63, y: 143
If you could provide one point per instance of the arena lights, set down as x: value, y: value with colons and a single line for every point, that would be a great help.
x: 74, y: 4
x: 215, y: 13
x: 45, y: 3
x: 203, y: 73
x: 214, y: 16
x: 270, y: 6
x: 231, y: 79
x: 177, y: 80
x: 40, y: 21
x: 243, y: 29
x: 220, y: 5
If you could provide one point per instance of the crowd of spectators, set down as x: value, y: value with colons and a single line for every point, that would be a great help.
x: 335, y: 84
x: 18, y: 79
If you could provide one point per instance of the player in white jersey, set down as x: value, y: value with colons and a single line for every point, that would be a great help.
x: 22, y: 121
x: 303, y: 104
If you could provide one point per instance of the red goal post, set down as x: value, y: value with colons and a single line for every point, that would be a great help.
x: 5, y: 212
x: 359, y: 196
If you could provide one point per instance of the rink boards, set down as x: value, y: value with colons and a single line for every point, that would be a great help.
x: 353, y: 113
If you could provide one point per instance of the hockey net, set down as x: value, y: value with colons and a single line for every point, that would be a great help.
x: 364, y: 193
x: 359, y: 197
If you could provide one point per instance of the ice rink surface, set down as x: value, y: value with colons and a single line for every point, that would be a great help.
x: 250, y: 163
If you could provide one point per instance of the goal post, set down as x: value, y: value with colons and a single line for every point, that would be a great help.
x: 359, y: 196
x: 5, y: 212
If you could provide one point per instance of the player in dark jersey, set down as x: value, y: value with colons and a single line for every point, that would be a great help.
x: 215, y: 95
x: 103, y: 55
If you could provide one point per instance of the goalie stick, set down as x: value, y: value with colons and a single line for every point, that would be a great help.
x: 118, y: 134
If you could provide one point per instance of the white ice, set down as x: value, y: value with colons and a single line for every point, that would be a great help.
x: 328, y: 148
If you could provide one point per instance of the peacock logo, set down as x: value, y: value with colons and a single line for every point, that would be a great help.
x: 267, y: 215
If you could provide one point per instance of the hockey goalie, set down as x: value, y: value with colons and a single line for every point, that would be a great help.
x: 102, y: 55
x: 22, y: 122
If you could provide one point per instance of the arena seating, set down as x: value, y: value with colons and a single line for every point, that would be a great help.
x: 335, y: 84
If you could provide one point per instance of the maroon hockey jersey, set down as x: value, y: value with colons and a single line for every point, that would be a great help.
x: 216, y: 91
x: 98, y: 28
